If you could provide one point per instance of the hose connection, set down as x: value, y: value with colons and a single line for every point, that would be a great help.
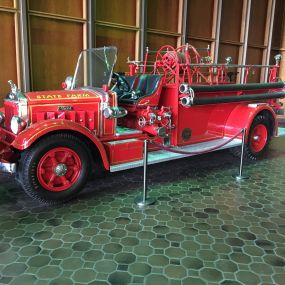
x: 186, y: 101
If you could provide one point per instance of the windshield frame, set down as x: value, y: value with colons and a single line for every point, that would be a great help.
x: 96, y: 53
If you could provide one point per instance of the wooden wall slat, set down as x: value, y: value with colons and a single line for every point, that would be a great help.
x: 231, y: 20
x: 278, y: 23
x: 257, y: 22
x: 72, y: 8
x: 198, y: 43
x: 226, y: 50
x: 163, y: 15
x: 117, y: 11
x: 55, y: 46
x: 155, y: 41
x: 8, y: 61
x: 254, y: 56
x: 7, y: 3
x: 123, y: 39
x: 200, y: 18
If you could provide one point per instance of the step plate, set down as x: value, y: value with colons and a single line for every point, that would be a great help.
x: 163, y: 155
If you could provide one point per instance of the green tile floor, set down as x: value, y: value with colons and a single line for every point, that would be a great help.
x: 204, y: 229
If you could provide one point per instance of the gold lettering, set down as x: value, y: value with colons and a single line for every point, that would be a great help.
x: 59, y: 96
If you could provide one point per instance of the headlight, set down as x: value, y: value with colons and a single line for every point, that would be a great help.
x: 2, y: 118
x: 17, y: 124
x: 67, y: 84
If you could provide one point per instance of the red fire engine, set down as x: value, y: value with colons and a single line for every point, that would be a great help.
x: 179, y: 100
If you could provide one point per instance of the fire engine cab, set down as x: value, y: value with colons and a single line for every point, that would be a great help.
x: 180, y: 101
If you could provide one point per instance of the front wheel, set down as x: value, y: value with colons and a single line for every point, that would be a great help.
x: 55, y: 169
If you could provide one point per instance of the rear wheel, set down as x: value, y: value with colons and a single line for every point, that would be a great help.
x: 258, y: 139
x: 55, y: 169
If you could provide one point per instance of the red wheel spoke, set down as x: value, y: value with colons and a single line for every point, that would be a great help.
x: 51, y: 180
x: 65, y: 157
x: 74, y: 168
x: 53, y: 161
x: 64, y: 181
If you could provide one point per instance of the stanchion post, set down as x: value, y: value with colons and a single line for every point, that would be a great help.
x: 143, y: 200
x: 240, y: 176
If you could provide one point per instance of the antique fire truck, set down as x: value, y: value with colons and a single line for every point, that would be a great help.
x: 177, y: 99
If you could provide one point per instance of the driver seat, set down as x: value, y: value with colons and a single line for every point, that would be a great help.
x: 146, y: 92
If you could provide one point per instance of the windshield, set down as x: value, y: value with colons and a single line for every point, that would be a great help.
x: 95, y: 67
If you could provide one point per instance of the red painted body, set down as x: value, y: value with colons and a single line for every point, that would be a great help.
x: 160, y: 117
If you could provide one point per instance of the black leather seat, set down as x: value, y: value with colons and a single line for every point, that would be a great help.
x: 147, y: 86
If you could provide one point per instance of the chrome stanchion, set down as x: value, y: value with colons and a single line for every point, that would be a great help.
x: 143, y: 200
x: 241, y: 177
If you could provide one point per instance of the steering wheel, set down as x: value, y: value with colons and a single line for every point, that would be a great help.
x: 134, y: 95
x: 120, y: 83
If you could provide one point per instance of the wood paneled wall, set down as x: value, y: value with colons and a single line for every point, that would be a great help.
x: 56, y: 33
x: 56, y: 37
x: 117, y: 23
x: 9, y: 56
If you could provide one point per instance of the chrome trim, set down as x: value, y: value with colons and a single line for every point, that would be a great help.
x: 2, y: 118
x: 163, y: 155
x: 24, y: 42
x: 245, y: 39
x: 114, y: 112
x: 104, y: 103
x: 91, y: 6
x: 278, y: 58
x: 269, y: 38
x: 60, y: 169
x: 23, y: 110
x: 6, y: 167
x: 19, y: 99
x: 142, y: 32
x: 184, y: 22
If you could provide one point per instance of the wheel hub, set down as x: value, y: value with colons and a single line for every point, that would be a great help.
x: 60, y: 169
x: 256, y: 138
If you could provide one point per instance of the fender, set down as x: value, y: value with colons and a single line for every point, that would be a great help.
x: 27, y: 137
x: 243, y: 115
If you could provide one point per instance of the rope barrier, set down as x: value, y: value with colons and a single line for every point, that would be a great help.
x: 171, y: 149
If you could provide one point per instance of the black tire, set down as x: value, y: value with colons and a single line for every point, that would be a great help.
x: 77, y: 168
x: 259, y: 137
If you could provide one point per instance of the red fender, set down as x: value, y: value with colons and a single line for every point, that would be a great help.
x: 243, y: 115
x: 37, y: 130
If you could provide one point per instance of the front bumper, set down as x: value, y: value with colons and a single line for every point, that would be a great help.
x: 7, y: 167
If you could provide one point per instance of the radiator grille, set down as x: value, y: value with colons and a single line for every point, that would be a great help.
x: 85, y: 118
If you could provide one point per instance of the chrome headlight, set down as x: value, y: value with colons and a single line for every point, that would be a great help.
x: 17, y: 124
x: 67, y: 84
x: 2, y: 118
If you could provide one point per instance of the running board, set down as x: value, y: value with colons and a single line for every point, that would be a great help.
x: 163, y: 155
